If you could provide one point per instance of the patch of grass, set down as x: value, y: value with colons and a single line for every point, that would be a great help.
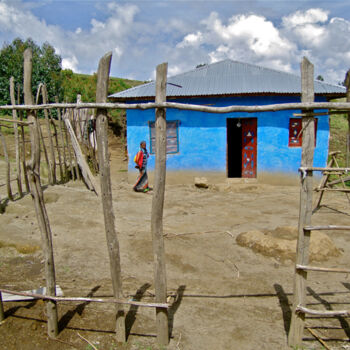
x: 338, y: 131
x: 21, y: 248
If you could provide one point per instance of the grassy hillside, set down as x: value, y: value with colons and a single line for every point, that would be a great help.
x: 85, y: 85
x: 338, y: 133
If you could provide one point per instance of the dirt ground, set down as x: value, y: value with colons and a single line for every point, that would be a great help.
x: 228, y: 297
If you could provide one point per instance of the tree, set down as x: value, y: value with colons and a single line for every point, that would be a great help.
x: 46, y: 68
x: 320, y: 78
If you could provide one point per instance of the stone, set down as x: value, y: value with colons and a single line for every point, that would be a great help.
x: 201, y: 182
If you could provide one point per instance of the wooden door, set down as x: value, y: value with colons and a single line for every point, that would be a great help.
x: 249, y: 147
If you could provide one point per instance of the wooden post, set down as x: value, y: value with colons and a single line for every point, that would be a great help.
x: 38, y: 199
x: 8, y: 167
x: 52, y: 161
x: 157, y: 208
x: 347, y: 84
x: 85, y: 170
x: 106, y: 191
x: 2, y: 312
x: 15, y: 129
x: 69, y: 148
x: 23, y: 145
x: 305, y: 211
x: 41, y: 136
x: 63, y: 145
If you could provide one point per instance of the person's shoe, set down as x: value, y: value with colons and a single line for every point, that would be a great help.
x: 146, y: 190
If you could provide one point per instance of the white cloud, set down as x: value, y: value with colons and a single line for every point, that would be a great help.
x: 139, y: 44
x: 71, y: 63
x: 244, y: 37
x: 310, y: 16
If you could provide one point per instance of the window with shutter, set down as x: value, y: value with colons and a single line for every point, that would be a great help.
x: 172, y: 136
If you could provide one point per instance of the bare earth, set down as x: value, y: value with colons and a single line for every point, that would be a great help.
x: 228, y: 296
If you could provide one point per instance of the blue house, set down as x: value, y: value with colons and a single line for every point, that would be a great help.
x: 236, y: 144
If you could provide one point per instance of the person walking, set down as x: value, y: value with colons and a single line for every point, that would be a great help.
x: 140, y: 159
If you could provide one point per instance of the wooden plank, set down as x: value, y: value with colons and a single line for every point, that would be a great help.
x: 311, y: 168
x: 318, y: 338
x: 23, y: 146
x: 305, y: 212
x: 70, y: 160
x: 63, y: 145
x: 85, y: 170
x: 84, y: 299
x: 321, y: 269
x: 307, y: 106
x: 347, y: 84
x: 323, y: 182
x: 2, y: 312
x: 15, y: 121
x: 52, y: 162
x: 38, y: 199
x: 8, y: 167
x: 17, y: 145
x: 328, y: 227
x: 334, y: 189
x: 335, y: 182
x: 157, y: 207
x: 106, y: 191
x: 332, y: 313
x: 345, y: 190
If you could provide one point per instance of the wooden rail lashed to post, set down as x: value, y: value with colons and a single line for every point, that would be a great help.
x: 305, y: 211
x: 38, y: 199
x: 106, y: 192
x: 157, y: 207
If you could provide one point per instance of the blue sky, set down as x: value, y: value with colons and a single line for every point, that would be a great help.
x: 144, y: 33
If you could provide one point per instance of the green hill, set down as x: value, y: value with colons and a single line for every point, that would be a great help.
x: 85, y: 85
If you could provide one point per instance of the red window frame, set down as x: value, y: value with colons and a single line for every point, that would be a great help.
x: 295, y: 135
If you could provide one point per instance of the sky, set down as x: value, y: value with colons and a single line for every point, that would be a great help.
x: 142, y: 34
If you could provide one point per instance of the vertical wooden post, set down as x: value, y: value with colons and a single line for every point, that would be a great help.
x: 63, y: 145
x: 157, y: 208
x: 69, y: 147
x: 8, y: 167
x: 23, y: 148
x: 38, y: 198
x: 2, y: 312
x: 41, y: 136
x: 106, y: 191
x: 347, y: 84
x: 52, y: 161
x: 15, y: 129
x: 305, y: 211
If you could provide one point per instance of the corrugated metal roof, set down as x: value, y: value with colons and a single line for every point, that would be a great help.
x: 229, y: 78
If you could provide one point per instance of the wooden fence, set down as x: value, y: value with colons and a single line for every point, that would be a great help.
x: 160, y: 105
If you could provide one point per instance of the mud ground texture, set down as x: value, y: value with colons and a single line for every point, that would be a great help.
x: 228, y: 296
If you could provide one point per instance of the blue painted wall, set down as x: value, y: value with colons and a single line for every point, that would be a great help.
x: 203, y: 138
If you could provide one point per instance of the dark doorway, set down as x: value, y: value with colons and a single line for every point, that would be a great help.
x: 234, y: 147
x: 241, y: 147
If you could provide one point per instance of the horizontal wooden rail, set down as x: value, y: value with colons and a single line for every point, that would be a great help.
x: 334, y: 189
x: 306, y: 310
x: 80, y: 299
x: 15, y: 121
x: 183, y: 106
x: 303, y: 169
x: 324, y: 228
x: 321, y: 269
